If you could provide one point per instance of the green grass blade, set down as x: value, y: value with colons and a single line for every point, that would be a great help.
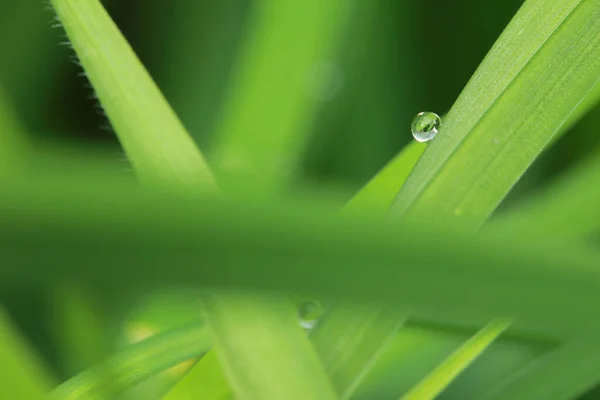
x: 566, y: 209
x: 324, y: 254
x: 435, y: 382
x: 379, y: 193
x: 194, y: 74
x: 564, y: 373
x: 156, y: 143
x: 489, y: 137
x: 22, y: 374
x: 137, y: 363
x: 286, y: 59
x: 13, y: 141
x: 550, y: 55
x: 205, y: 381
x: 349, y: 341
x: 159, y: 147
x: 350, y: 338
x: 241, y: 340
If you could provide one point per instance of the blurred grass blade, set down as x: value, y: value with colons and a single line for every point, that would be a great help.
x: 136, y: 363
x: 435, y: 382
x: 379, y: 193
x: 160, y: 149
x: 489, y: 137
x: 241, y: 339
x: 21, y: 373
x: 349, y: 341
x: 194, y: 74
x: 550, y: 55
x: 79, y: 327
x: 566, y: 372
x: 148, y: 129
x: 13, y: 141
x: 205, y: 381
x: 324, y: 254
x: 349, y: 338
x: 285, y: 68
x: 567, y: 209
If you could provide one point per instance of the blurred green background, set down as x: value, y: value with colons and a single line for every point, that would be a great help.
x: 390, y: 60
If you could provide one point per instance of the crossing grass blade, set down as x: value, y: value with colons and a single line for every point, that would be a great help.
x: 240, y: 339
x: 435, y: 382
x: 379, y: 193
x: 547, y: 376
x: 324, y: 254
x: 349, y: 341
x: 136, y: 363
x: 566, y: 209
x: 163, y: 154
x: 205, y: 381
x: 481, y: 128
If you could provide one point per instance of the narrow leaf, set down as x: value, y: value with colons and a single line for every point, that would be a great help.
x: 158, y: 146
x: 22, y: 374
x: 286, y: 64
x: 566, y: 372
x: 435, y: 382
x: 566, y: 209
x: 136, y: 363
x: 349, y: 341
x: 328, y: 255
x: 379, y: 193
x: 13, y: 141
x: 205, y: 381
x: 550, y: 55
x: 241, y: 339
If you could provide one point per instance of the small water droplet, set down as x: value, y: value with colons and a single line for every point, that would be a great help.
x: 309, y: 313
x: 425, y: 126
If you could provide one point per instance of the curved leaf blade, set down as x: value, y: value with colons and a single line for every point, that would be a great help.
x: 550, y: 55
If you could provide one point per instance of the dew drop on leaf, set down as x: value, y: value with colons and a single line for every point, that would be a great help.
x: 425, y: 126
x: 309, y: 313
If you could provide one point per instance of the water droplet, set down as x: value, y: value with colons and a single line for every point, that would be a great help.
x: 309, y: 313
x: 425, y: 126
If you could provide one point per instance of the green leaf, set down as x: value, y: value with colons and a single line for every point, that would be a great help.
x: 350, y: 339
x: 436, y: 381
x: 379, y: 193
x: 13, y: 141
x: 136, y: 363
x: 245, y: 344
x: 549, y: 55
x: 566, y: 209
x: 22, y: 374
x: 566, y: 372
x: 116, y: 225
x: 286, y: 63
x: 158, y: 146
x: 205, y: 381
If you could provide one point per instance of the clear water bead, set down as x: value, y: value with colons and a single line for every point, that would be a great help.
x: 309, y: 313
x: 425, y: 126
